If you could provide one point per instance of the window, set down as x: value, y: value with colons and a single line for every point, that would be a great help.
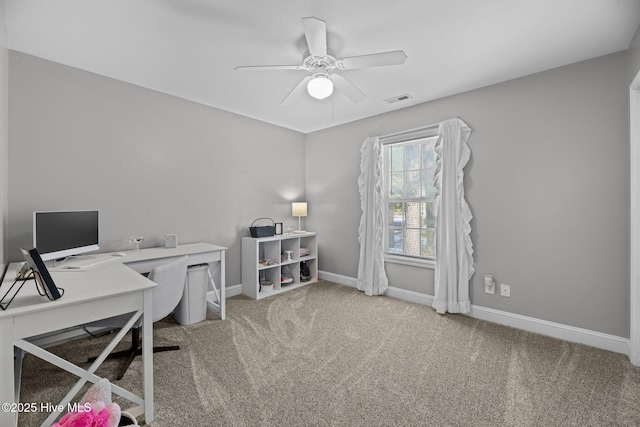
x: 409, y: 168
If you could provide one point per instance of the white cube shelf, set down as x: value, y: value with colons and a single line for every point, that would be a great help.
x: 272, y: 251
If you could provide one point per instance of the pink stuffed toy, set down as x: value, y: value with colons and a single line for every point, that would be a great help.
x: 95, y: 414
x: 94, y: 410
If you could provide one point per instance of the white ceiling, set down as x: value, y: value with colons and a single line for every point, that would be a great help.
x: 189, y: 48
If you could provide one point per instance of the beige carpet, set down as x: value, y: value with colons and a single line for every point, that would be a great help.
x: 327, y: 355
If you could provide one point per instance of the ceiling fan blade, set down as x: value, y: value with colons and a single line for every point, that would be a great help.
x: 315, y: 31
x: 348, y: 88
x: 296, y: 91
x: 268, y: 67
x: 396, y: 57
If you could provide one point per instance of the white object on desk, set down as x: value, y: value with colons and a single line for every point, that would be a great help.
x: 83, y: 262
x: 170, y: 240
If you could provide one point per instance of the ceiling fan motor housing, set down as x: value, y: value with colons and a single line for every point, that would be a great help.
x: 315, y: 63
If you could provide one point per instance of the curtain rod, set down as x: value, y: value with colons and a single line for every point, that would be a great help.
x: 433, y: 125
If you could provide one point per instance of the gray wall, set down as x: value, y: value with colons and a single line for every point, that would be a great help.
x: 633, y: 56
x: 548, y: 185
x: 4, y: 73
x: 151, y: 163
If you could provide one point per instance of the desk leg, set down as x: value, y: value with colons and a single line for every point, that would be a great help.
x: 147, y: 355
x: 7, y: 381
x: 18, y: 357
x: 223, y: 286
x: 219, y: 296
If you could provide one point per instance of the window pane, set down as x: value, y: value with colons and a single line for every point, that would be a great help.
x: 412, y: 242
x: 428, y: 155
x: 395, y: 214
x: 413, y: 181
x: 412, y: 157
x: 430, y: 216
x: 395, y: 240
x: 428, y: 190
x: 396, y: 189
x: 397, y: 158
x: 428, y: 248
x: 412, y: 214
x: 428, y: 169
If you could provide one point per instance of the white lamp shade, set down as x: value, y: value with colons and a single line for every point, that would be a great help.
x: 299, y: 209
x: 320, y: 87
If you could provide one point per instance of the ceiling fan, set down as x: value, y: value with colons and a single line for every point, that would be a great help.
x: 322, y: 64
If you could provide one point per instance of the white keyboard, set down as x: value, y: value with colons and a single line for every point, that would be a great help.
x: 84, y: 262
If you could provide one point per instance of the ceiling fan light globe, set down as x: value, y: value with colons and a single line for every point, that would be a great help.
x: 320, y: 87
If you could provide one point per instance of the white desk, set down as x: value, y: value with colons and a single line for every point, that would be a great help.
x: 102, y: 291
x: 91, y: 295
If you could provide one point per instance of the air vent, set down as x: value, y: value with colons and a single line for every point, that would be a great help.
x: 398, y: 98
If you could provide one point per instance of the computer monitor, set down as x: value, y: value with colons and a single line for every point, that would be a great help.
x: 59, y: 234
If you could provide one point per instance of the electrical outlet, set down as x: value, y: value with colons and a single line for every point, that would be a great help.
x: 489, y: 284
x: 505, y: 290
x: 490, y: 288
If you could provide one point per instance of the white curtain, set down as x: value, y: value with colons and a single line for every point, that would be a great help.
x: 454, y: 249
x: 372, y: 278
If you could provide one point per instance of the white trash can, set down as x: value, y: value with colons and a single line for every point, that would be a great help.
x: 192, y: 308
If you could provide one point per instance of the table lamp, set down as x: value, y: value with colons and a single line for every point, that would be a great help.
x: 299, y: 209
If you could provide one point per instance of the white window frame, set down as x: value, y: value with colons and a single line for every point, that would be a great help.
x: 406, y: 136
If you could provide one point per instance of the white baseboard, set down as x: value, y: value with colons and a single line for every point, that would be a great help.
x: 59, y: 337
x: 556, y: 330
x: 337, y: 278
x: 232, y: 291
